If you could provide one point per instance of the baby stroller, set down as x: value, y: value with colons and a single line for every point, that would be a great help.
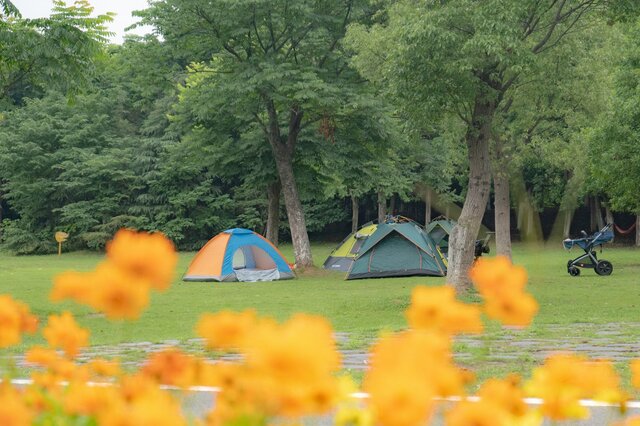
x: 589, y: 243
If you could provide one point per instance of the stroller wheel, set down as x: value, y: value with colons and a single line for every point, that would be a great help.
x: 604, y: 267
x: 573, y: 271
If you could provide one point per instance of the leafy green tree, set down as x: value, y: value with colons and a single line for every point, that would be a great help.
x: 613, y: 144
x: 279, y: 62
x: 464, y: 57
x: 58, y: 51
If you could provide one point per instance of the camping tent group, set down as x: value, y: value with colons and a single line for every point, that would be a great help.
x: 397, y: 247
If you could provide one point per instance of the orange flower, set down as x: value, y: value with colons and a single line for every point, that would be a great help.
x: 39, y: 355
x: 290, y: 367
x: 634, y: 365
x: 171, y: 367
x: 104, y: 368
x: 118, y: 294
x: 512, y: 307
x: 226, y: 329
x: 15, y: 319
x: 424, y: 356
x: 505, y: 394
x: 564, y: 379
x: 492, y: 275
x: 437, y: 308
x: 83, y: 399
x: 603, y: 383
x: 409, y: 369
x: 63, y: 332
x: 154, y: 407
x: 149, y: 257
x: 631, y: 421
x: 13, y: 409
x: 401, y: 401
x: 73, y: 285
x: 480, y: 413
x: 502, y: 285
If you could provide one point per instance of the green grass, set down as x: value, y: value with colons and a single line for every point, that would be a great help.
x: 572, y: 309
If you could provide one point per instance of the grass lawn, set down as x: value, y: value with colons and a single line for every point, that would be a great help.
x: 589, y: 312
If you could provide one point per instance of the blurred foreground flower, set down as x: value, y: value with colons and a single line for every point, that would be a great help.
x: 564, y: 379
x: 15, y: 319
x: 63, y: 332
x: 436, y: 308
x: 226, y: 330
x: 119, y: 287
x: 502, y: 285
x: 148, y: 257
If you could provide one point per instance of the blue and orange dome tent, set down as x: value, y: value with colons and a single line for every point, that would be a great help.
x: 238, y: 255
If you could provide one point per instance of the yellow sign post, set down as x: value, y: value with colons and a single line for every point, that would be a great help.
x: 61, y: 237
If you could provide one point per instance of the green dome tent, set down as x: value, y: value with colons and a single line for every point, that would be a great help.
x: 397, y: 250
x: 439, y: 230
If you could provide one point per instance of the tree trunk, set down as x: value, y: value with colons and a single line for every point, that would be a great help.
x: 638, y: 230
x: 392, y: 205
x: 568, y: 218
x: 283, y: 152
x: 609, y: 219
x: 593, y: 221
x: 295, y: 214
x: 273, y: 212
x: 598, y: 208
x: 382, y: 207
x: 355, y: 213
x: 464, y: 234
x: 502, y: 214
x: 427, y: 207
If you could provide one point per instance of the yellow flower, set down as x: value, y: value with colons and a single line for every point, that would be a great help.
x: 437, y: 308
x: 119, y: 294
x: 148, y: 257
x: 63, y: 332
x: 226, y: 329
x: 15, y: 319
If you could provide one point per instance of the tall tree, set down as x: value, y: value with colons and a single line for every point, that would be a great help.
x: 279, y: 61
x: 58, y: 51
x: 613, y: 148
x: 463, y: 57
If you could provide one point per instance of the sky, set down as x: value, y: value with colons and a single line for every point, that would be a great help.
x: 122, y: 8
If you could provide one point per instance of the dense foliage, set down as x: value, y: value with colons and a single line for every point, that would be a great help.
x: 250, y: 116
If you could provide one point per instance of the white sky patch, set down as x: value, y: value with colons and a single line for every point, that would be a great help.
x: 122, y: 8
